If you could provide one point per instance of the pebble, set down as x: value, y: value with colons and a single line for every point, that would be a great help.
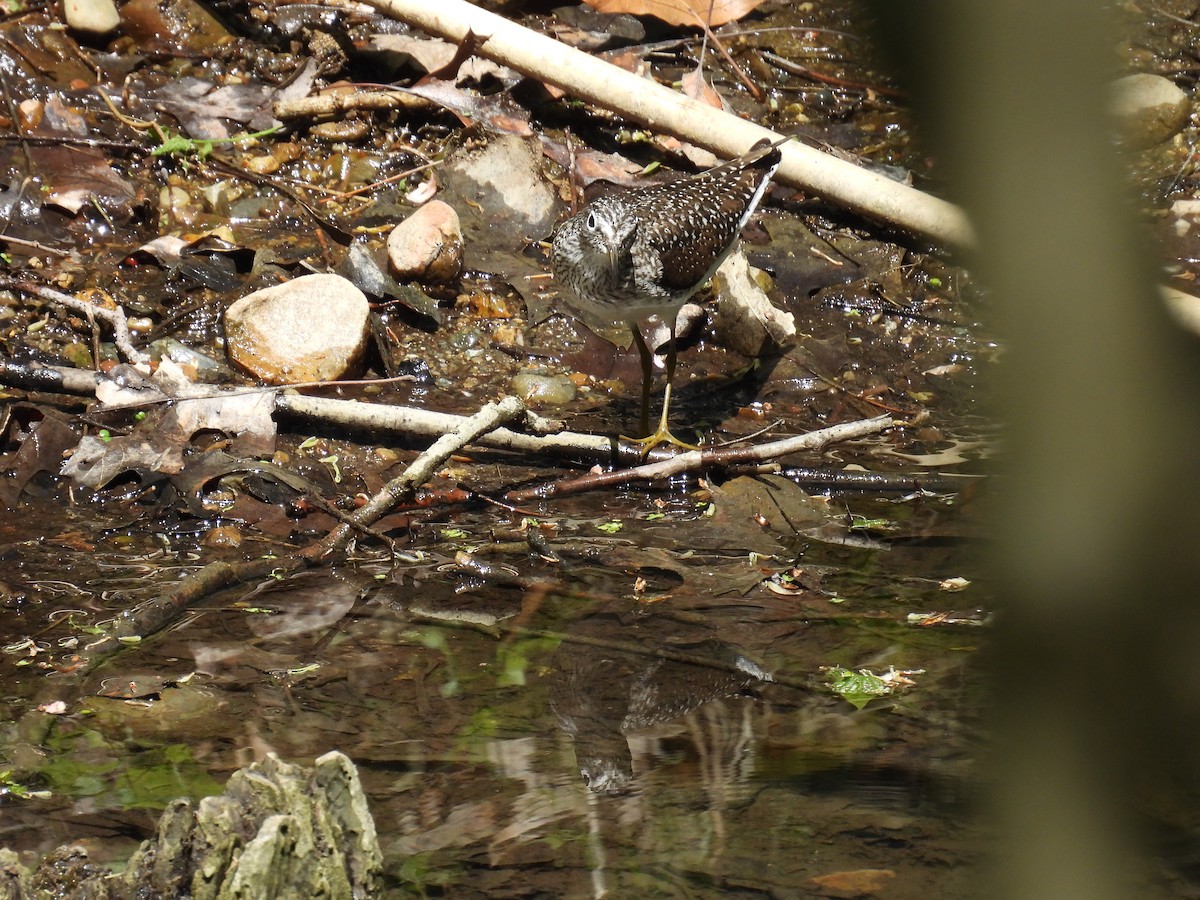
x: 428, y: 245
x: 539, y: 389
x: 312, y: 328
x: 92, y: 16
x: 1148, y: 108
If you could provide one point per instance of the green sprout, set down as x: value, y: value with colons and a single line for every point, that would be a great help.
x: 201, y: 148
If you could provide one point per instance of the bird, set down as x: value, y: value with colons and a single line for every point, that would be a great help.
x: 628, y: 256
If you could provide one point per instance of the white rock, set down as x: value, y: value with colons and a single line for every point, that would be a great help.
x: 92, y: 16
x: 312, y: 328
x: 746, y: 321
x: 1148, y: 108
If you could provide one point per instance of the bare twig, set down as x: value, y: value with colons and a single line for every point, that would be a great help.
x: 697, y: 460
x: 115, y: 317
x: 491, y: 417
x: 333, y: 104
x: 33, y: 245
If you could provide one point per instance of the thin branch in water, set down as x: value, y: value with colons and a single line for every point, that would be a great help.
x: 698, y: 460
x: 115, y: 317
x: 491, y: 417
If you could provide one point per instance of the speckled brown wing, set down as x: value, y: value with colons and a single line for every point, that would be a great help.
x: 691, y: 225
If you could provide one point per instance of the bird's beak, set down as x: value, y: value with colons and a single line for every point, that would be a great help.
x: 614, y: 266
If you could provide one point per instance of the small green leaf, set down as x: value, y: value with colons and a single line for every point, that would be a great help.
x: 332, y: 463
x: 856, y: 688
x: 610, y: 527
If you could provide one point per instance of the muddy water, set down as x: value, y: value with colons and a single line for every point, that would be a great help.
x: 567, y: 730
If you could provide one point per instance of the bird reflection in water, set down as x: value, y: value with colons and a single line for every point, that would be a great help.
x: 614, y: 680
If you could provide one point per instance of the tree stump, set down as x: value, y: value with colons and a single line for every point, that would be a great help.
x: 278, y: 830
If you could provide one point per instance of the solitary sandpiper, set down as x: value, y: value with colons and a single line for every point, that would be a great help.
x: 644, y: 252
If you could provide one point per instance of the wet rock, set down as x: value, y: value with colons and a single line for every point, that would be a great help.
x: 1148, y: 108
x: 540, y: 389
x: 312, y: 328
x: 184, y: 24
x: 505, y: 179
x: 278, y: 828
x: 198, y: 366
x: 92, y: 16
x: 428, y: 245
x: 507, y: 204
x: 746, y: 321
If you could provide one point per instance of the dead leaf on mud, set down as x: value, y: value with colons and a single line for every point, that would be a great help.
x: 78, y: 176
x: 203, y: 109
x: 47, y: 436
x: 158, y: 441
x: 690, y: 13
x: 696, y: 86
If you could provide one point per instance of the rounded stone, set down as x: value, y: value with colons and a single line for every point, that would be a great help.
x: 313, y: 328
x: 1148, y: 108
x: 540, y: 389
x: 428, y: 245
x: 91, y: 16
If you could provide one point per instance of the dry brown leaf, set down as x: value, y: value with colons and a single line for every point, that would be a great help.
x: 855, y: 883
x: 696, y: 86
x: 691, y: 13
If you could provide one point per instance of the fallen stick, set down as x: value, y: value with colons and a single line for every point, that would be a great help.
x: 698, y: 460
x: 383, y: 420
x: 115, y: 317
x: 488, y: 419
x: 665, y: 110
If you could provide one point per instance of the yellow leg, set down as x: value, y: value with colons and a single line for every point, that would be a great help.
x: 663, y: 434
x: 647, y: 360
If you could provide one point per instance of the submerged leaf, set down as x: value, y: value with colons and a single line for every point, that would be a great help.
x: 861, y: 687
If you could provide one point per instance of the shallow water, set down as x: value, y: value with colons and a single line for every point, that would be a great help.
x: 471, y: 707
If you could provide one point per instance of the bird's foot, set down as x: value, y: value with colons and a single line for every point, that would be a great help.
x: 661, y: 436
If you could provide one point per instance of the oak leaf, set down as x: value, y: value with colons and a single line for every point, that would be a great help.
x: 691, y: 13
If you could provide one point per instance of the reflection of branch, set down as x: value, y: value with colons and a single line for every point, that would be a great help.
x: 132, y: 625
x: 631, y: 647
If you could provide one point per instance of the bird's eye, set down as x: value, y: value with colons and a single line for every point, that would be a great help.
x: 591, y: 222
